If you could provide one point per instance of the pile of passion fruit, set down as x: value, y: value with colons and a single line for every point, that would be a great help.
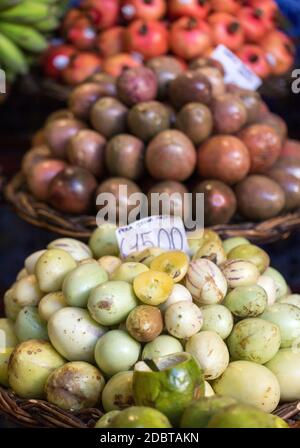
x: 160, y: 129
x: 156, y: 339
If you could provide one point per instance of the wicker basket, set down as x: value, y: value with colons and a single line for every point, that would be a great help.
x: 39, y: 413
x: 42, y: 215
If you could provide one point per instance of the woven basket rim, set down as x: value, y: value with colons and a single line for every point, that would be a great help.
x: 40, y: 413
x: 42, y: 215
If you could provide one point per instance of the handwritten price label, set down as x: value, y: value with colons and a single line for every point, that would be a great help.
x: 236, y: 72
x: 166, y: 232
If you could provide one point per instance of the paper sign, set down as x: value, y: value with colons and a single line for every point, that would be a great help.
x: 166, y: 232
x: 236, y: 72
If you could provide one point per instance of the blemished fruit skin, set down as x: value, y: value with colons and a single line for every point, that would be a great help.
x: 163, y: 390
x: 29, y: 366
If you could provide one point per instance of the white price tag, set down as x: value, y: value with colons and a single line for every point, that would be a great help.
x: 236, y: 72
x: 167, y: 232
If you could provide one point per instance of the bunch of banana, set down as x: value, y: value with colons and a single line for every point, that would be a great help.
x: 24, y: 30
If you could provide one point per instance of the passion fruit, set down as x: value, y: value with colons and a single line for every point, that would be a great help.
x: 147, y: 119
x: 86, y: 149
x: 166, y: 69
x: 83, y: 97
x: 137, y: 84
x: 225, y: 158
x: 245, y: 416
x: 259, y: 197
x: 199, y: 413
x: 171, y: 156
x: 71, y: 190
x: 173, y: 200
x: 229, y: 113
x: 219, y: 201
x: 196, y: 121
x: 124, y: 156
x: 264, y: 146
x: 140, y: 417
x: 144, y: 323
x: 122, y: 189
x: 189, y: 87
x: 108, y: 116
x: 58, y: 134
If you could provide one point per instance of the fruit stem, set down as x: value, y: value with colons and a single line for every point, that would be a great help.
x: 148, y: 2
x: 202, y: 2
x: 192, y: 23
x: 143, y: 29
x: 233, y: 27
x: 258, y: 13
x: 253, y: 58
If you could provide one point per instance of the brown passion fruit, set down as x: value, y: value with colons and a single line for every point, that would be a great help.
x: 291, y: 148
x: 58, y: 134
x: 174, y: 198
x: 215, y: 78
x: 290, y: 186
x: 147, y: 119
x: 289, y: 165
x: 108, y: 116
x: 171, y: 156
x: 137, y: 84
x: 264, y: 146
x: 250, y: 99
x: 144, y: 323
x: 229, y: 113
x: 106, y: 82
x: 86, y: 149
x: 189, y: 87
x: 166, y: 69
x: 196, y: 121
x: 121, y: 188
x: 83, y: 97
x: 219, y: 201
x: 34, y: 156
x: 225, y: 158
x: 276, y: 122
x: 259, y: 197
x: 124, y: 156
x: 202, y: 62
x: 41, y: 175
x: 71, y: 190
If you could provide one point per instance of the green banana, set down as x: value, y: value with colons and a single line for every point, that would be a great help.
x: 24, y: 36
x: 46, y: 2
x: 11, y: 57
x: 5, y: 4
x: 49, y: 24
x: 27, y: 12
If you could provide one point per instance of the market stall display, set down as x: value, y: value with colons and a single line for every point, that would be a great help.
x: 112, y: 35
x: 159, y: 129
x: 104, y: 336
